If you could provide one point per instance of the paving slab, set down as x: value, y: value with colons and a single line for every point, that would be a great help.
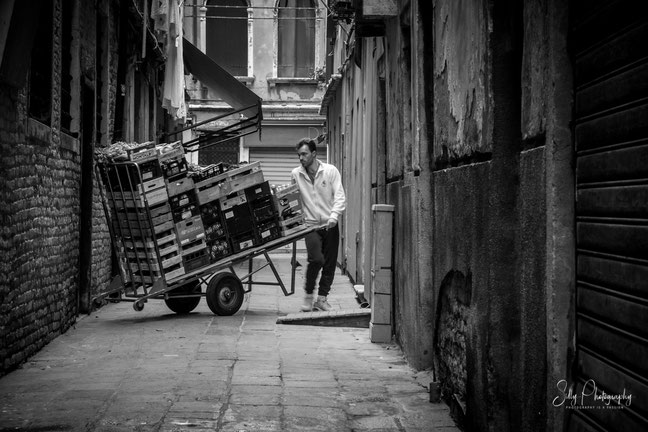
x: 119, y: 370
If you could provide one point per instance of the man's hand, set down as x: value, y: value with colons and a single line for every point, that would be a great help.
x: 331, y: 224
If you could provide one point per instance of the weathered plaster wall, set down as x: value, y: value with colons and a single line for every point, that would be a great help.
x: 459, y: 225
x: 462, y: 112
x: 490, y: 217
x: 408, y: 187
x: 480, y: 309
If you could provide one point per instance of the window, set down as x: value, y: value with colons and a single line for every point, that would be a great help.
x: 40, y: 72
x: 66, y: 66
x: 296, y: 38
x: 226, y: 38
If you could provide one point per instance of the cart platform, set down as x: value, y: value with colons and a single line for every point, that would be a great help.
x: 223, y: 284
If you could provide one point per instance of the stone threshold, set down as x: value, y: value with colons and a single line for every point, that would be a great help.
x: 335, y: 318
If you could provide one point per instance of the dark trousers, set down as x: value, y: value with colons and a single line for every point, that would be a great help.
x: 322, y: 247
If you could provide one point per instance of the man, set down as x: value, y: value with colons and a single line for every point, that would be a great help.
x: 323, y: 201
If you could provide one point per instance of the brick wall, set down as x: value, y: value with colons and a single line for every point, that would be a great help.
x: 40, y: 194
x: 39, y: 271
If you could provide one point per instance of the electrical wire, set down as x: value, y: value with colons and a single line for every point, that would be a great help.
x: 255, y: 18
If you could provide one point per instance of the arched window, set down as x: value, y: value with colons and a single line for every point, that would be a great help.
x: 296, y: 38
x: 226, y: 35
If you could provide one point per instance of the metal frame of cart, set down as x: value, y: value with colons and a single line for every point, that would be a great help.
x: 224, y: 293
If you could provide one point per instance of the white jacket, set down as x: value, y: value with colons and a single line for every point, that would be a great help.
x: 324, y: 199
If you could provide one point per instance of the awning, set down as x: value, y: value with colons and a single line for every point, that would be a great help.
x: 232, y: 91
x: 245, y: 117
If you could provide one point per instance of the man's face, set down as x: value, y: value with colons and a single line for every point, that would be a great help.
x: 306, y: 157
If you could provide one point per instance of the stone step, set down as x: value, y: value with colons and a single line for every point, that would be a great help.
x: 358, y: 318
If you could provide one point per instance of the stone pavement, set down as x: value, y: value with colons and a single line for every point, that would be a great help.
x: 122, y: 370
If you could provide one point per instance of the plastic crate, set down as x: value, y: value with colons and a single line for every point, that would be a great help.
x: 190, y: 230
x: 268, y: 231
x: 259, y: 191
x: 239, y: 219
x: 218, y: 249
x: 195, y: 260
x: 243, y: 241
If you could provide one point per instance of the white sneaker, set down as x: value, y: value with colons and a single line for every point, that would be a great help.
x: 308, y: 303
x: 322, y: 304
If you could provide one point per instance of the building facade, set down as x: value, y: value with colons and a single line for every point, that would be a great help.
x: 278, y: 48
x: 74, y: 76
x: 511, y: 139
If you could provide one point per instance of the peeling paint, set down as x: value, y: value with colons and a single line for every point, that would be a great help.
x: 461, y: 58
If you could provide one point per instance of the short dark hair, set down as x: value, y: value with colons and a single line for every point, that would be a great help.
x: 311, y: 143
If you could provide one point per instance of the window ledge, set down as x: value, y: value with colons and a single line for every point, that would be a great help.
x: 291, y: 80
x: 247, y: 80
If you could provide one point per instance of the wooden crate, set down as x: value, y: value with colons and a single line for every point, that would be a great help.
x: 179, y: 185
x: 128, y: 200
x: 212, y: 189
x: 242, y: 182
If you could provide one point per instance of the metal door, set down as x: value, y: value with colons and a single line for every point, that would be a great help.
x: 609, y: 41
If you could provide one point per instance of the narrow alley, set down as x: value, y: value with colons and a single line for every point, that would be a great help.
x: 154, y: 370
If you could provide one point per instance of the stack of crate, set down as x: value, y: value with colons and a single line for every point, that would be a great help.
x: 223, y: 205
x: 210, y: 185
x: 193, y: 219
x: 215, y: 232
x: 131, y: 188
x: 238, y: 221
x: 236, y: 213
x: 264, y: 213
x: 287, y: 202
x: 184, y: 207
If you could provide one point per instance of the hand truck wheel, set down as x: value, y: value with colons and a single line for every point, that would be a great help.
x: 225, y: 294
x: 184, y: 305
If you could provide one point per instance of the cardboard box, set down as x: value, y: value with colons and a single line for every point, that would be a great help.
x: 287, y: 205
x: 146, y: 151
